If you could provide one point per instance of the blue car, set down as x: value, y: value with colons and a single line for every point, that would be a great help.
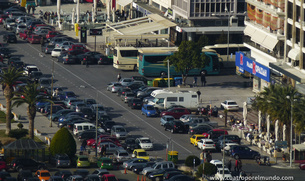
x: 241, y: 151
x: 65, y: 95
x: 149, y: 111
x: 61, y: 113
x: 62, y: 118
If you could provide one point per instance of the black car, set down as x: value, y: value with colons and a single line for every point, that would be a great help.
x: 170, y: 174
x: 89, y: 134
x: 175, y: 127
x: 200, y: 129
x: 24, y: 175
x: 233, y: 138
x: 130, y: 144
x: 140, y: 78
x: 10, y: 38
x: 5, y: 52
x: 63, y: 174
x: 92, y: 177
x: 135, y: 103
x: 81, y: 172
x: 47, y: 49
x: 27, y: 163
x: 123, y: 90
x: 159, y: 173
x: 56, y: 178
x: 139, y: 168
x: 18, y: 64
x: 61, y: 160
x: 4, y: 175
x: 104, y: 60
x: 181, y: 178
x: 107, y: 125
x: 88, y: 113
x: 67, y: 58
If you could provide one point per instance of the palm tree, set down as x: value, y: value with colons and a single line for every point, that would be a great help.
x: 8, y: 78
x: 273, y: 101
x: 29, y: 95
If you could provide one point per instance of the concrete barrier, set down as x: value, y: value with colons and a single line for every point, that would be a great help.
x: 36, y: 132
x: 47, y: 140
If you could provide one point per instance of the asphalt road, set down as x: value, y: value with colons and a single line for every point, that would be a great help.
x: 91, y: 83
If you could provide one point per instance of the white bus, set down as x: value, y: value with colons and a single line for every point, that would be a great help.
x: 125, y: 58
x: 222, y: 49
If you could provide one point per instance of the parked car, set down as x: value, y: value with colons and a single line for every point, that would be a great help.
x: 111, y: 148
x: 27, y: 163
x: 199, y: 129
x: 176, y: 112
x: 118, y: 131
x: 43, y: 175
x: 56, y: 178
x: 4, y: 175
x: 63, y: 174
x: 100, y: 172
x: 127, y: 96
x: 145, y: 143
x: 140, y: 153
x: 66, y: 58
x: 223, y: 174
x: 129, y: 164
x: 195, y: 138
x: 139, y: 168
x: 82, y: 172
x: 5, y: 52
x: 109, y: 177
x: 56, y: 52
x: 206, y: 144
x: 181, y: 177
x: 82, y: 161
x: 105, y: 163
x: 140, y: 78
x: 125, y: 81
x: 229, y: 105
x: 61, y: 160
x: 149, y: 111
x: 215, y: 133
x: 158, y: 174
x: 75, y: 178
x: 157, y: 166
x: 24, y: 175
x: 169, y: 174
x: 240, y: 151
x: 34, y: 38
x: 130, y: 144
x: 121, y: 156
x: 135, y: 103
x: 146, y: 92
x: 114, y: 87
x: 233, y: 138
x: 92, y: 177
x: 175, y: 127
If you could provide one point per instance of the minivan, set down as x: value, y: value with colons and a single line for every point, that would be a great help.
x: 158, y: 166
x: 81, y: 127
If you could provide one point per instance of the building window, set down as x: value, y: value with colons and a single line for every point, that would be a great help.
x: 303, y: 66
x: 298, y: 13
x: 297, y: 35
x: 290, y: 9
x: 289, y: 31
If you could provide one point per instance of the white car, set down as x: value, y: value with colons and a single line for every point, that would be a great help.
x: 223, y: 174
x: 28, y: 69
x: 206, y: 144
x: 144, y: 143
x: 126, y: 81
x: 229, y: 105
x: 56, y: 52
x: 217, y: 163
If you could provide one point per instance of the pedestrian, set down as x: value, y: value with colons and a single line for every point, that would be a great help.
x: 229, y: 165
x: 3, y: 87
x: 202, y: 157
x: 195, y: 81
x: 198, y: 94
x: 87, y: 65
x: 119, y: 77
x: 236, y: 166
x: 203, y: 80
x: 104, y: 150
x: 83, y: 146
x: 28, y: 7
x: 33, y: 9
x: 239, y: 165
x: 209, y: 157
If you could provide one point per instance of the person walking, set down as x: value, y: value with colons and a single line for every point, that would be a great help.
x: 119, y: 77
x: 209, y: 157
x: 202, y: 157
x: 203, y: 80
x: 236, y: 166
x: 33, y: 9
x: 195, y: 81
x: 83, y: 146
x: 198, y: 94
x: 229, y: 165
x: 87, y: 65
x: 239, y: 165
x: 28, y: 7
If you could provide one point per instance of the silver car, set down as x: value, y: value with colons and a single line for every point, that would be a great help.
x: 61, y: 160
x: 119, y: 132
x: 129, y: 164
x: 114, y: 87
x: 20, y: 28
x: 65, y: 45
x: 121, y: 156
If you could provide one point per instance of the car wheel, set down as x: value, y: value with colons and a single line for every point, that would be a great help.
x: 194, y: 144
x: 236, y: 157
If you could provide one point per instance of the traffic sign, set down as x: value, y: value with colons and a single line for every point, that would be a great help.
x: 95, y: 32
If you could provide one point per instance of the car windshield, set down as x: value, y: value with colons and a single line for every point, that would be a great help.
x: 150, y: 108
x: 45, y: 174
x: 232, y: 103
x: 123, y: 154
x: 70, y: 94
x: 120, y: 130
x: 145, y: 141
x: 129, y: 141
x: 107, y: 161
x: 142, y: 153
x: 111, y: 178
x: 83, y: 159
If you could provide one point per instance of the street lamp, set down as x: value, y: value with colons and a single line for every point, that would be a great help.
x: 228, y: 38
x: 52, y: 81
x: 291, y: 119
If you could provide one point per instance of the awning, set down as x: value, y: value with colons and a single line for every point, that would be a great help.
x: 294, y: 54
x: 249, y: 31
x: 123, y: 2
x: 258, y: 37
x: 270, y: 42
x: 299, y: 147
x: 288, y: 71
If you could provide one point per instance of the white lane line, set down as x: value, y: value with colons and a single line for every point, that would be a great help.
x: 94, y: 88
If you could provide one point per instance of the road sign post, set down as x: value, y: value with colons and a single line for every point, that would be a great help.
x: 95, y: 32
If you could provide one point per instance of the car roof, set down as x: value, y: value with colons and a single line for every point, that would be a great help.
x: 139, y: 150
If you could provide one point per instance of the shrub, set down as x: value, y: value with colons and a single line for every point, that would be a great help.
x: 18, y: 133
x: 63, y: 142
x: 209, y: 169
x: 200, y: 171
x: 20, y: 125
x: 189, y: 161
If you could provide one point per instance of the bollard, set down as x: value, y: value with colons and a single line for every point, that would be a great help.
x: 138, y: 179
x: 142, y: 178
x: 125, y: 171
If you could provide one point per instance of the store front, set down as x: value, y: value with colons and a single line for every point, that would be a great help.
x: 261, y: 73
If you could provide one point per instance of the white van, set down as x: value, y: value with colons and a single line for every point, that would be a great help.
x: 163, y: 99
x: 80, y: 127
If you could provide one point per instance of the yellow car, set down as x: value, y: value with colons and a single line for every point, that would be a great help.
x: 140, y: 153
x: 82, y: 161
x: 195, y: 138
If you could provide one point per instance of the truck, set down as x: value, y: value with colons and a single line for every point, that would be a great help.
x: 163, y: 99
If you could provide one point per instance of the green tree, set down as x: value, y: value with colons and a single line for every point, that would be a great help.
x: 209, y: 169
x: 63, y: 142
x: 8, y: 78
x: 29, y: 95
x: 188, y: 57
x: 223, y: 38
x: 273, y: 101
x: 202, y: 41
x: 189, y: 161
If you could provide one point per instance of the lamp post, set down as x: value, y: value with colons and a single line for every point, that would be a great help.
x: 291, y: 119
x: 228, y: 38
x: 168, y: 75
x: 52, y: 81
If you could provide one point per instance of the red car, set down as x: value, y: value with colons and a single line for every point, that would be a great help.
x: 52, y: 34
x: 302, y: 165
x: 79, y: 47
x: 34, y: 38
x: 3, y: 165
x: 37, y: 25
x: 24, y: 35
x: 109, y: 177
x: 3, y: 17
x: 176, y: 112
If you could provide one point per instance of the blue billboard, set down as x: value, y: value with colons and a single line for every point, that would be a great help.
x: 244, y: 63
